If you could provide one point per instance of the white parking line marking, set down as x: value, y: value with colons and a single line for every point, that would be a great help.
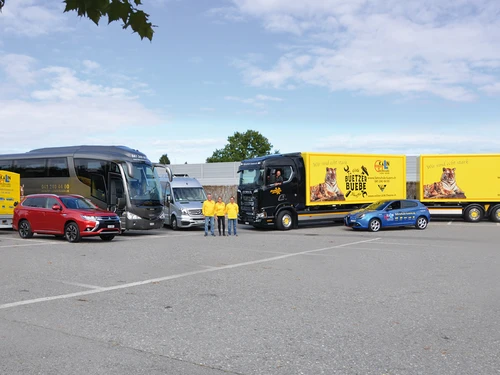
x: 34, y: 243
x: 76, y: 284
x: 178, y: 276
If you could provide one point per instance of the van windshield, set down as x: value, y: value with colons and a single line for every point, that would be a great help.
x: 189, y: 194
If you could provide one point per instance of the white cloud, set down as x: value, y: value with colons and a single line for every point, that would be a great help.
x: 52, y: 106
x: 415, y: 140
x: 449, y: 49
x: 90, y: 65
x: 32, y: 18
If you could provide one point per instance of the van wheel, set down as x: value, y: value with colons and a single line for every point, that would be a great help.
x: 173, y: 223
x: 284, y: 221
x: 495, y: 214
x: 25, y: 229
x: 473, y: 214
x: 107, y: 237
x: 374, y: 225
x: 72, y: 232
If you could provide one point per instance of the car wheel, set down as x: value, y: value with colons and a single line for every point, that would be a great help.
x: 107, y: 237
x: 421, y: 222
x: 72, y: 232
x: 374, y: 225
x: 173, y: 223
x: 25, y: 229
x: 284, y: 221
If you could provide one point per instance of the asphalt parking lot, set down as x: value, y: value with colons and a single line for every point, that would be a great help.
x: 317, y: 300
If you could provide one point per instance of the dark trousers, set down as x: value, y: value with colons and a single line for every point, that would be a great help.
x: 221, y: 221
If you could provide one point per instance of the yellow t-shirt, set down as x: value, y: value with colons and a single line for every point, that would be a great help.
x: 232, y: 210
x: 220, y: 209
x: 208, y: 208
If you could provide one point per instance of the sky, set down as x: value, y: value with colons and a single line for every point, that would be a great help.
x: 372, y: 76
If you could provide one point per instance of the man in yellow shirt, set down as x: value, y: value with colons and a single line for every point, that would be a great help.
x: 220, y: 213
x: 208, y: 210
x: 232, y: 216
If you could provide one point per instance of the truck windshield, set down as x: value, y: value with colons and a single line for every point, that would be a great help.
x: 144, y: 185
x: 189, y: 194
x: 251, y: 177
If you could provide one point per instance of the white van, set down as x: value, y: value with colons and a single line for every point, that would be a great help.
x: 183, y: 199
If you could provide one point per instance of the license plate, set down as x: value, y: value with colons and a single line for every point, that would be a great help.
x: 151, y: 223
x: 111, y: 226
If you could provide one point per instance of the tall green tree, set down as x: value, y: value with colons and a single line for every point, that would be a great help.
x: 164, y: 159
x: 125, y: 10
x: 242, y: 146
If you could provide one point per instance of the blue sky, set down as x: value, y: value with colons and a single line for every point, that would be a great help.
x: 391, y: 76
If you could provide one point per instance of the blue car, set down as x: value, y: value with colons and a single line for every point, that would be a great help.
x: 389, y: 213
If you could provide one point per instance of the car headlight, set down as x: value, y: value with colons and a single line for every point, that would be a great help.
x: 184, y: 211
x: 361, y: 216
x: 89, y: 218
x: 132, y: 216
x: 162, y: 216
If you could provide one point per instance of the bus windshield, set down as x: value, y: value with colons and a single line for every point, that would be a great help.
x: 143, y: 186
x: 251, y: 177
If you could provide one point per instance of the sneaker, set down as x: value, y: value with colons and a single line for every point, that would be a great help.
x: 213, y: 234
x: 205, y: 235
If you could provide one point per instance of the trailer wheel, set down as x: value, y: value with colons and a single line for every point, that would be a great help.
x: 495, y: 214
x: 284, y: 221
x: 473, y: 214
x: 374, y: 225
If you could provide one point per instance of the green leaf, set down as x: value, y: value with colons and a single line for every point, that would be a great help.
x: 94, y: 15
x: 70, y: 5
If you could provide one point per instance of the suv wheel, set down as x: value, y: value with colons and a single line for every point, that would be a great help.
x: 25, y: 229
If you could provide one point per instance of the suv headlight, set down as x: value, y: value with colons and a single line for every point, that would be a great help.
x: 89, y: 218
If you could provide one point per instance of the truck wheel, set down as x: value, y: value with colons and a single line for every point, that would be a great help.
x: 25, y: 229
x: 173, y: 223
x: 495, y: 214
x: 284, y: 221
x: 421, y: 223
x: 473, y: 214
x: 72, y: 232
x: 374, y: 225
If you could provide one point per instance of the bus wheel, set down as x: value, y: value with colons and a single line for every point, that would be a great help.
x: 284, y: 221
x: 473, y: 214
x: 25, y: 229
x: 72, y: 232
x: 495, y: 214
x: 173, y: 223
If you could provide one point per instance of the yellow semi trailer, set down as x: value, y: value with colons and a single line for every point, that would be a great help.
x: 466, y: 185
x: 10, y: 194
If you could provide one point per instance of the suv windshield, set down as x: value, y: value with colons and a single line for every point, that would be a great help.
x: 77, y: 203
x: 144, y: 185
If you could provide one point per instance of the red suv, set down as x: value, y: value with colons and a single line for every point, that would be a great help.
x: 71, y: 216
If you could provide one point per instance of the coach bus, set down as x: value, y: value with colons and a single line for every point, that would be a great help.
x: 116, y: 178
